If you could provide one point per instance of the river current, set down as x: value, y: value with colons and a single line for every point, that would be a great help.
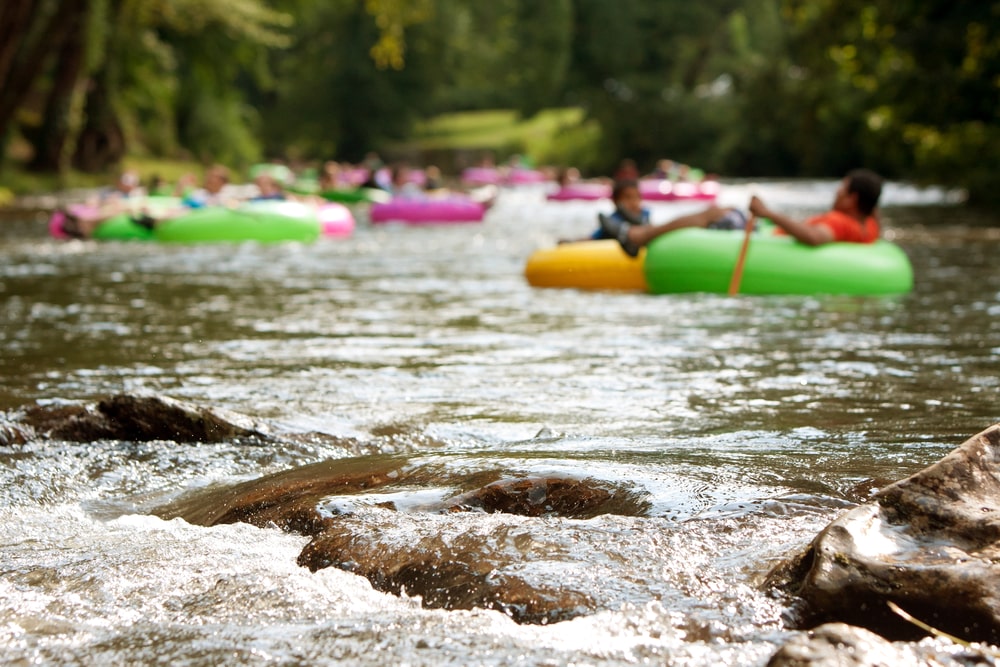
x: 746, y: 424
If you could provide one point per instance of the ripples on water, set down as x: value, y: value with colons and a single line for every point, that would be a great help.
x: 746, y: 424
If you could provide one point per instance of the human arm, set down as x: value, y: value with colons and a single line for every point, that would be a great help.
x: 808, y: 234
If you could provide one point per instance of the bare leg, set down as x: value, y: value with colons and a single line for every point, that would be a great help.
x: 640, y: 235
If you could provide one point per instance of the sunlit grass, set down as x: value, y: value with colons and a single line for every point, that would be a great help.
x: 492, y: 129
x: 552, y: 136
x: 169, y: 170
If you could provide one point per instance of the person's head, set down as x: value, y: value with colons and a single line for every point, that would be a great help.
x: 567, y: 175
x: 267, y: 185
x: 627, y: 169
x: 859, y: 192
x: 127, y: 182
x: 432, y: 177
x: 400, y: 175
x: 331, y: 171
x: 626, y: 196
x: 216, y: 178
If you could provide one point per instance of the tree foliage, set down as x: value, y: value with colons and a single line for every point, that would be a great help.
x: 745, y: 87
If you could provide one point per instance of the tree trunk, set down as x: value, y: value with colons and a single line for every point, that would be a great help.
x: 26, y: 44
x: 15, y: 17
x: 101, y: 143
x: 51, y: 137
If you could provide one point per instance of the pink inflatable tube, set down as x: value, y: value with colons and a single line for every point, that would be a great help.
x: 335, y: 220
x: 428, y: 211
x: 494, y: 176
x: 665, y: 190
x: 526, y: 176
x: 481, y: 176
x: 81, y: 211
x: 581, y: 191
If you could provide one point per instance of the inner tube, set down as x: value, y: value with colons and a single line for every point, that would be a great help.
x: 264, y: 222
x: 428, y: 211
x: 702, y: 260
x: 592, y: 265
x: 355, y: 195
x: 481, y: 176
x: 522, y: 176
x: 581, y: 192
x: 655, y: 189
x: 117, y: 227
x: 335, y: 220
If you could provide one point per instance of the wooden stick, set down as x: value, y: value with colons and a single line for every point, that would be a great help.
x: 734, y: 283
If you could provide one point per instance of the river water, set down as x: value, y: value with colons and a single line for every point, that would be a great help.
x: 745, y: 424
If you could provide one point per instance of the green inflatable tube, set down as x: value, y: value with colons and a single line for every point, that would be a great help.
x: 266, y: 222
x: 122, y: 228
x: 355, y: 195
x: 702, y: 260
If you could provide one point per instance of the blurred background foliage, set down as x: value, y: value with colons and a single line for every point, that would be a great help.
x: 755, y: 88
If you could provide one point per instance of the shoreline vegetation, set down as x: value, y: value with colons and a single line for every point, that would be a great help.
x: 747, y: 89
x: 453, y: 141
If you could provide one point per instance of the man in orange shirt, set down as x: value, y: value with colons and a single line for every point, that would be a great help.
x: 852, y: 218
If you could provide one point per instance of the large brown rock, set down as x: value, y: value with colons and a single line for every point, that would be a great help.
x: 139, y: 419
x: 555, y: 496
x: 929, y: 543
x: 840, y: 645
x: 482, y: 566
x: 133, y: 418
x: 289, y: 499
x: 476, y: 569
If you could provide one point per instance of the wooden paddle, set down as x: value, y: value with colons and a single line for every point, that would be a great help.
x: 734, y: 282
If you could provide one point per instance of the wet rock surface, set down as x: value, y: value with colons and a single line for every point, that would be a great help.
x: 841, y: 645
x: 133, y: 418
x: 564, y: 497
x: 929, y: 543
x: 470, y: 570
x: 138, y: 419
x: 290, y: 500
x: 477, y: 568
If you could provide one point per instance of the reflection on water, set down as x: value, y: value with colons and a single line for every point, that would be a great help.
x: 745, y: 423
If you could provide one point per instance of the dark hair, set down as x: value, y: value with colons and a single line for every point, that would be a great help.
x: 867, y: 185
x: 621, y: 186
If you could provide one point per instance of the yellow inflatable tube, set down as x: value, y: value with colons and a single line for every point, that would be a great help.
x: 598, y: 265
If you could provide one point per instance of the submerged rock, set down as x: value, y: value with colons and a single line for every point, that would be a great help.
x: 345, y: 506
x: 147, y: 418
x: 840, y: 645
x: 139, y: 419
x: 836, y: 645
x: 565, y: 497
x: 467, y: 571
x: 290, y: 500
x: 930, y: 543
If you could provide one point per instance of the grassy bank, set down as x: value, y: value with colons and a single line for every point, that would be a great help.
x: 15, y: 180
x: 553, y: 136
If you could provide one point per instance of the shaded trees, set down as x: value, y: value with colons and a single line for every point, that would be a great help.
x: 752, y: 87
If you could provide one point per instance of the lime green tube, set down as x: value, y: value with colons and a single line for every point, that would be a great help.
x: 702, y: 260
x: 122, y: 228
x: 218, y: 224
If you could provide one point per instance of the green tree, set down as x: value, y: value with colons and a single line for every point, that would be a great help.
x: 647, y: 73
